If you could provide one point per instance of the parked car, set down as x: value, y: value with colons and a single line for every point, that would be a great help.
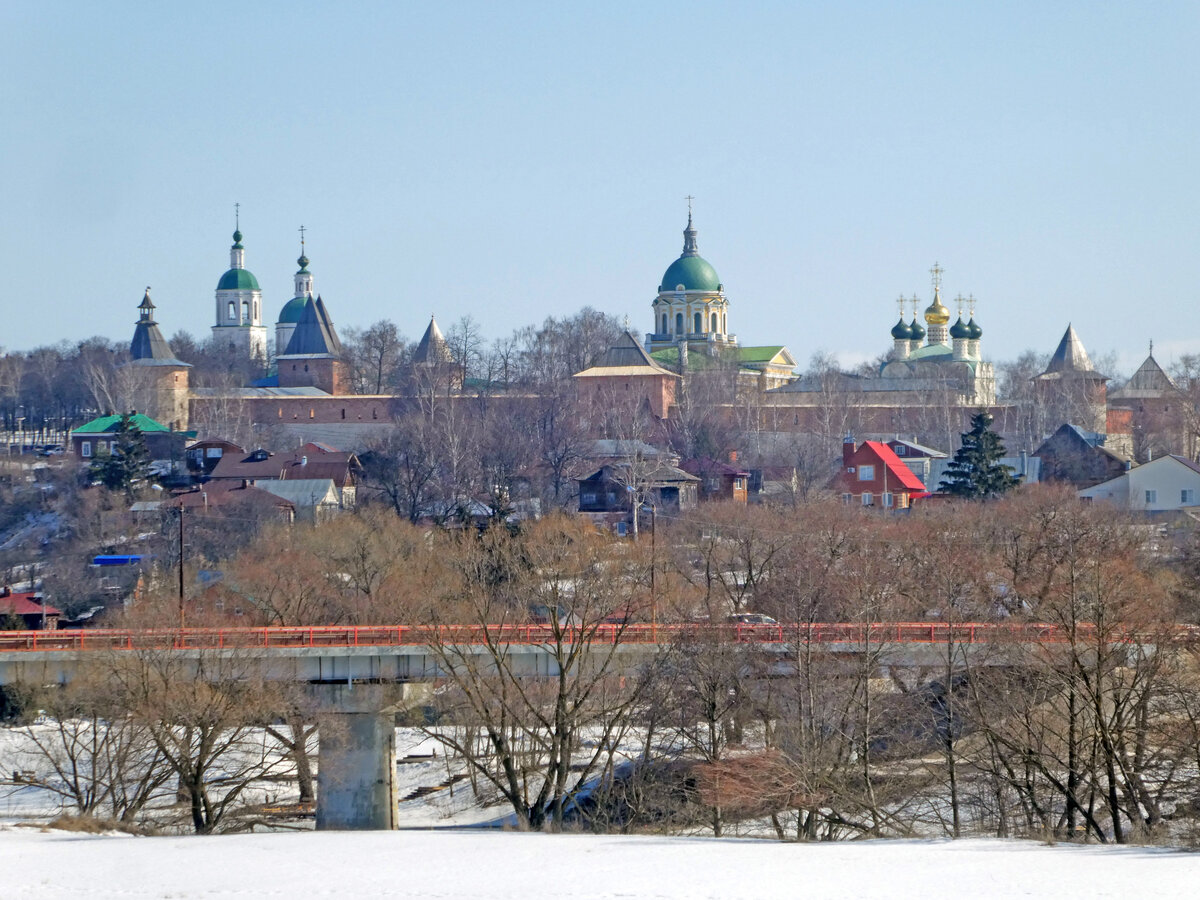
x: 750, y: 619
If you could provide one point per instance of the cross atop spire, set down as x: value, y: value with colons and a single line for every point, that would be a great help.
x: 936, y: 272
x: 301, y: 238
x: 900, y: 301
x: 690, y: 246
x: 915, y: 301
x: 237, y: 220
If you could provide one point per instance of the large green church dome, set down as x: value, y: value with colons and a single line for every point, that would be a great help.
x: 693, y: 272
x: 238, y: 280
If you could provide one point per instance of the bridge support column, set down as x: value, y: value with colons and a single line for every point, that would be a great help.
x: 356, y: 773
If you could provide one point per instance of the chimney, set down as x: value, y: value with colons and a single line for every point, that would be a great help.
x: 732, y: 457
x: 848, y: 448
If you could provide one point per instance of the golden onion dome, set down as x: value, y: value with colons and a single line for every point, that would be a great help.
x: 935, y: 312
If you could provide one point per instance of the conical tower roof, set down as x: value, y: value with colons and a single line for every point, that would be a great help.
x: 432, y: 348
x: 312, y: 336
x: 149, y: 347
x: 1070, y: 358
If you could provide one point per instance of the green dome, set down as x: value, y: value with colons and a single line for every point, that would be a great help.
x: 238, y: 280
x: 292, y: 311
x: 918, y: 330
x: 901, y: 331
x: 975, y: 331
x: 960, y: 330
x: 693, y: 272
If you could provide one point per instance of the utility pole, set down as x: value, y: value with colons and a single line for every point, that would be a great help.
x: 181, y: 562
x: 653, y: 567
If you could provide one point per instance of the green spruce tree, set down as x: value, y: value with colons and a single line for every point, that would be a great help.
x: 128, y: 463
x: 976, y: 472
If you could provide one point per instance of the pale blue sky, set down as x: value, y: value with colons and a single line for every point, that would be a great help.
x: 510, y: 161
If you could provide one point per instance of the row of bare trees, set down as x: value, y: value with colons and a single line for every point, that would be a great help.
x: 1091, y: 736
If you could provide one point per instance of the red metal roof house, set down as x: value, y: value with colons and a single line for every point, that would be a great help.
x: 873, y: 475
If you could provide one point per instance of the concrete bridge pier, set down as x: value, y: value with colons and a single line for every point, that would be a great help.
x: 356, y: 767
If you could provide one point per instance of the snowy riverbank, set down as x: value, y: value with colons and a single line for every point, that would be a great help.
x: 512, y: 866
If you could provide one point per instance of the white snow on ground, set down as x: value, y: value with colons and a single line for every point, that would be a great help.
x: 513, y: 866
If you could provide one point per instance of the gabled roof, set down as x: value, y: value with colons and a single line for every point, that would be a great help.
x: 109, y: 424
x: 304, y: 464
x: 303, y: 492
x: 432, y: 348
x: 704, y: 465
x: 312, y: 337
x: 660, y: 476
x: 25, y: 605
x: 898, y: 475
x: 919, y: 450
x: 777, y: 355
x: 216, y: 495
x: 608, y: 448
x: 1070, y: 358
x: 625, y: 357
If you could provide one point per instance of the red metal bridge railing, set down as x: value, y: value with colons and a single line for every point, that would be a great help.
x: 337, y: 636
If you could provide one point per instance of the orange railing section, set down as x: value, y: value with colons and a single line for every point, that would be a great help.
x: 333, y: 636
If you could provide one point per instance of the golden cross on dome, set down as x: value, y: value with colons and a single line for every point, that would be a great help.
x: 301, y: 238
x: 237, y: 216
x: 936, y: 272
x: 915, y: 302
x: 900, y: 301
x: 689, y: 198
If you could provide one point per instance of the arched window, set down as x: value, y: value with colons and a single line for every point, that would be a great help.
x: 714, y: 323
x: 679, y: 323
x: 232, y: 311
x: 696, y: 327
x: 725, y: 323
x: 664, y: 328
x: 246, y: 310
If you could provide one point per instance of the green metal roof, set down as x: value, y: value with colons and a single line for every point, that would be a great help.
x: 105, y: 424
x: 238, y: 280
x: 292, y: 310
x: 693, y: 272
x: 757, y: 354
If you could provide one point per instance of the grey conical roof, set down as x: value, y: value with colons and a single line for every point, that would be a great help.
x: 312, y: 337
x: 626, y: 352
x: 433, y: 347
x: 149, y: 347
x: 1070, y: 358
x: 328, y: 323
x: 1149, y: 381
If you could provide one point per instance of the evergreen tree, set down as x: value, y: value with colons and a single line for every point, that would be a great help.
x: 127, y: 463
x: 976, y: 472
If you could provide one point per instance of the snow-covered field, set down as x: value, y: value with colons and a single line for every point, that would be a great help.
x: 502, y: 865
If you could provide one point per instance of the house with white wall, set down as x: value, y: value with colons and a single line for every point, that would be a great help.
x: 1166, y: 484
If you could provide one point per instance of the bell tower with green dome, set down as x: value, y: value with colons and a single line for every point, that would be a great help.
x: 239, y: 306
x: 290, y: 315
x: 691, y: 307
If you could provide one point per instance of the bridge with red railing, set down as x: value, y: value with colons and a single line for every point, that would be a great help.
x: 535, y: 635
